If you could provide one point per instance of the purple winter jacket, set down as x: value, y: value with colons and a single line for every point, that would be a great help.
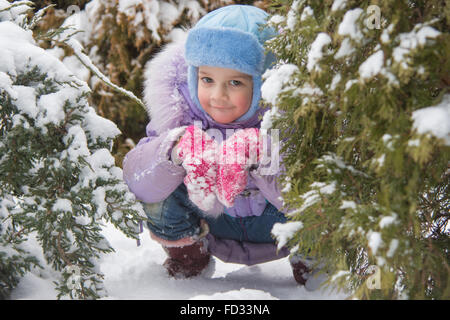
x: 152, y: 176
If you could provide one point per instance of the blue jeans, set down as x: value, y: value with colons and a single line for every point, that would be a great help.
x: 177, y: 217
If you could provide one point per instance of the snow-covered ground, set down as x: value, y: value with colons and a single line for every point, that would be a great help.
x: 134, y: 272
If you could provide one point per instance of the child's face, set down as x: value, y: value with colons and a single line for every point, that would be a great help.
x: 225, y: 94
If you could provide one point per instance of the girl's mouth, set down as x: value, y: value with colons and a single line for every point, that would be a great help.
x: 220, y: 107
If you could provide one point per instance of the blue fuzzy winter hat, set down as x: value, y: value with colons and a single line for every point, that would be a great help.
x: 230, y: 37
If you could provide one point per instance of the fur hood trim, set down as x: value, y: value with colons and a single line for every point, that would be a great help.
x: 163, y: 76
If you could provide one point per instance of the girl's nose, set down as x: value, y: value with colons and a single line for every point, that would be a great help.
x: 219, y: 93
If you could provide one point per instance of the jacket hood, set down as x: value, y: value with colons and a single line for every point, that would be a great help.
x: 163, y: 75
x: 167, y: 98
x: 230, y: 37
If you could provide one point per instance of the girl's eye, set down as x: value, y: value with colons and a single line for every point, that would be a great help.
x: 235, y: 83
x: 207, y: 80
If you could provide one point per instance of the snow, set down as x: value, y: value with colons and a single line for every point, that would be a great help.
x: 175, y: 35
x: 375, y: 241
x: 411, y: 41
x: 16, y: 12
x: 313, y: 196
x: 307, y: 12
x: 434, y: 120
x: 52, y: 103
x: 310, y: 198
x: 414, y: 143
x: 338, y: 5
x: 99, y: 200
x: 86, y: 61
x: 62, y: 205
x: 350, y: 83
x: 78, y: 144
x: 287, y: 186
x: 388, y: 220
x: 285, y: 231
x: 315, y: 53
x: 325, y: 188
x: 387, y: 140
x: 156, y: 15
x: 336, y: 79
x: 372, y: 66
x: 133, y: 272
x: 307, y: 89
x: 99, y: 161
x: 348, y: 204
x: 275, y: 80
x: 168, y: 14
x: 345, y: 49
x: 276, y: 19
x: 99, y: 126
x: 74, y: 65
x: 292, y: 15
x: 392, y: 248
x: 26, y: 100
x: 268, y: 118
x: 339, y: 162
x: 19, y: 52
x: 385, y: 38
x: 6, y: 84
x: 380, y: 160
x: 348, y: 26
x: 126, y: 6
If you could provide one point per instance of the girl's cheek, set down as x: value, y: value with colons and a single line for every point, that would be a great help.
x: 243, y: 101
x: 202, y: 96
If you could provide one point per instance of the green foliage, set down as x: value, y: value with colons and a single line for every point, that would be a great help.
x: 369, y: 187
x: 58, y: 180
x: 15, y: 261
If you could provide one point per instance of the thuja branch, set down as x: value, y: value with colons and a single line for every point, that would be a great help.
x: 86, y: 61
x: 17, y: 4
x: 62, y: 253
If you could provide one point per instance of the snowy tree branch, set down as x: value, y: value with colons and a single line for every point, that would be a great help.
x: 17, y: 4
x: 86, y: 61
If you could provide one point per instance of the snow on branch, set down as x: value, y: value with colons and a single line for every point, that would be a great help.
x: 87, y: 62
x: 65, y: 37
x: 17, y: 4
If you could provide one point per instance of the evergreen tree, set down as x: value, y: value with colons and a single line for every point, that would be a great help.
x: 361, y: 97
x: 58, y: 179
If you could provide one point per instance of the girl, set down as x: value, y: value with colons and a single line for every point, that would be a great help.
x: 197, y: 205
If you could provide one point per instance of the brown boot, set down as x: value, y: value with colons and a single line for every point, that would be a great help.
x: 187, y: 261
x: 300, y: 269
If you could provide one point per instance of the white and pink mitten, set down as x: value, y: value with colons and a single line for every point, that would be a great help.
x: 237, y: 154
x: 197, y: 151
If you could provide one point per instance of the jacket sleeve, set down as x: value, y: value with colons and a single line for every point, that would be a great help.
x: 148, y: 170
x: 247, y: 253
x: 266, y: 175
x: 269, y: 187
